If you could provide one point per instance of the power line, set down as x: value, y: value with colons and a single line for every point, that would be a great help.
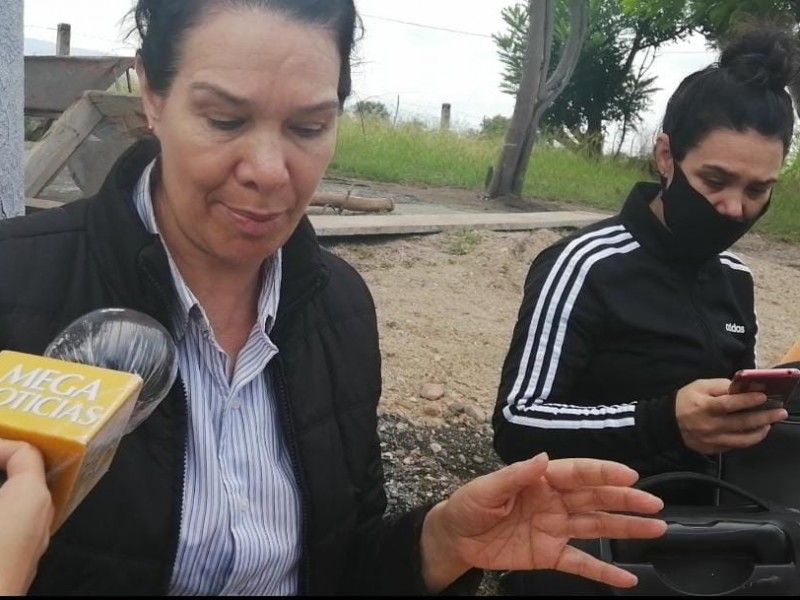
x: 458, y: 31
x: 77, y: 34
x: 686, y: 52
x: 484, y: 35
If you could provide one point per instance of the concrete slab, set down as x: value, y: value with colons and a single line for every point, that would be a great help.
x: 393, y: 224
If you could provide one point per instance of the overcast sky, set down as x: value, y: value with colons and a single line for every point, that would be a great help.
x: 427, y: 52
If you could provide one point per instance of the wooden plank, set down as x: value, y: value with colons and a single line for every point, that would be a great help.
x: 54, y: 83
x: 48, y: 156
x: 117, y: 105
x: 367, y: 224
x: 37, y: 204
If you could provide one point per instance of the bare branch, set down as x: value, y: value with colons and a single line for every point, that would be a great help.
x: 579, y: 20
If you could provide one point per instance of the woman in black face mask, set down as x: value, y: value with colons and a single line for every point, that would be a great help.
x: 630, y: 329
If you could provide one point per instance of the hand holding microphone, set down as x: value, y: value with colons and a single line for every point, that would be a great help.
x: 99, y: 379
x: 26, y: 513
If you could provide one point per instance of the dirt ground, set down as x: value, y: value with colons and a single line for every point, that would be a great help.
x: 447, y: 303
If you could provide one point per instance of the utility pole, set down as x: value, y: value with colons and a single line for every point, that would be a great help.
x: 63, y: 39
x: 12, y: 115
x: 444, y: 121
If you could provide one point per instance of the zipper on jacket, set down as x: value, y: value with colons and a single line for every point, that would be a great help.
x: 712, y: 343
x: 304, y: 580
x: 177, y: 529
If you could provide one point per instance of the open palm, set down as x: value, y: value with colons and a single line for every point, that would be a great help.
x: 521, y: 517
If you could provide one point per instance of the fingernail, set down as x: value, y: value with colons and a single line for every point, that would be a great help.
x: 542, y: 456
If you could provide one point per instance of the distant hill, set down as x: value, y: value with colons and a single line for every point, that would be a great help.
x: 34, y: 47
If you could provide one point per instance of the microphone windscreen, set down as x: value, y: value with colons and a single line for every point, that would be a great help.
x: 123, y: 339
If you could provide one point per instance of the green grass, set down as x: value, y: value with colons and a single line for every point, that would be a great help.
x: 377, y: 151
x: 601, y: 183
x: 782, y: 220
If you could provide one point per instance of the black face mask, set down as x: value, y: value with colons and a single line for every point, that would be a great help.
x: 698, y: 230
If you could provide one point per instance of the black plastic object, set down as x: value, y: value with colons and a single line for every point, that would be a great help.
x: 739, y: 550
x: 123, y: 339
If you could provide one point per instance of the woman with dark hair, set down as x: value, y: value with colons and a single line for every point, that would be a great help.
x: 631, y: 329
x: 261, y: 472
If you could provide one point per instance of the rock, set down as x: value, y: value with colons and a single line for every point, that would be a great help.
x: 432, y: 410
x: 432, y: 391
x: 475, y: 413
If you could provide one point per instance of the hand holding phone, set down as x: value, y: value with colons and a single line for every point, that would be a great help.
x: 779, y: 384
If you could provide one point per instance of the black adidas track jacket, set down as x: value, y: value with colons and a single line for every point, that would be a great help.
x: 612, y: 324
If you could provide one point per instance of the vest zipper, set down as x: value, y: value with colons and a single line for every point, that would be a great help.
x: 712, y: 343
x: 304, y: 580
x: 164, y: 297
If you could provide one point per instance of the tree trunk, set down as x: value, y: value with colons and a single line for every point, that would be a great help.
x: 532, y: 74
x: 536, y: 92
x: 12, y: 115
x: 594, y: 134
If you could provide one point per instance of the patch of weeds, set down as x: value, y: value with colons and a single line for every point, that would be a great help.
x: 464, y: 242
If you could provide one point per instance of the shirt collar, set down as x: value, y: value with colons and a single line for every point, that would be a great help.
x: 187, y: 304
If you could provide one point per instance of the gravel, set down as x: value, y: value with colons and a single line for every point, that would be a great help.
x: 424, y: 464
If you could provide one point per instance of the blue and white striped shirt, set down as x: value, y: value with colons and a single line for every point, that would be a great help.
x: 240, y: 532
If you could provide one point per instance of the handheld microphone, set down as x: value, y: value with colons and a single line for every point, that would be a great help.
x: 101, y: 377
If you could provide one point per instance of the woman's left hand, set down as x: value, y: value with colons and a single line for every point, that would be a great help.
x: 521, y: 517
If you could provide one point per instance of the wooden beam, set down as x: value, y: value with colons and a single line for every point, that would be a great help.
x: 37, y: 204
x: 354, y: 203
x: 46, y: 159
x: 118, y: 105
x: 54, y: 83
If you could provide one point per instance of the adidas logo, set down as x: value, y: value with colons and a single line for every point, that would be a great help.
x: 734, y: 328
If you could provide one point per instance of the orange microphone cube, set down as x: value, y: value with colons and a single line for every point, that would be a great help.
x: 74, y: 414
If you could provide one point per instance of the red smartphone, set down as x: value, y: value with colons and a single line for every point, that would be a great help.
x: 780, y: 384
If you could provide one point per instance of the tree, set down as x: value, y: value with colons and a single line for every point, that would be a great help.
x: 538, y: 88
x: 370, y: 108
x: 496, y: 125
x: 715, y: 18
x: 718, y: 19
x: 608, y: 84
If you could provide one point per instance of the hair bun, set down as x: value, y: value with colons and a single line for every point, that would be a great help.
x: 763, y: 56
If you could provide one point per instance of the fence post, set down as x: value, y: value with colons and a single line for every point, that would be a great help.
x: 63, y: 39
x: 444, y: 123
